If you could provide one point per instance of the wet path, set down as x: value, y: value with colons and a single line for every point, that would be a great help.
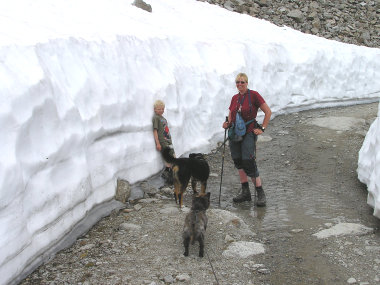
x: 309, y: 175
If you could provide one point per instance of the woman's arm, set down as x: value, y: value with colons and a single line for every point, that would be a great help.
x: 268, y: 113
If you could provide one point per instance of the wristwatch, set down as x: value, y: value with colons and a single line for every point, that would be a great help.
x: 263, y: 129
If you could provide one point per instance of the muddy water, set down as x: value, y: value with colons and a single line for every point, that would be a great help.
x: 309, y: 176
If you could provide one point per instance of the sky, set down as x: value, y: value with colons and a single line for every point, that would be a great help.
x: 78, y: 80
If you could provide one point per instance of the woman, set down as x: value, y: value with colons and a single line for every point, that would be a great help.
x: 243, y: 152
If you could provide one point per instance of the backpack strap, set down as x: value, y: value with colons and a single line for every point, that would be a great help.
x: 250, y: 108
x: 249, y: 100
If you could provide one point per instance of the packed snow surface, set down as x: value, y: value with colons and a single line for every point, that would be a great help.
x: 78, y: 82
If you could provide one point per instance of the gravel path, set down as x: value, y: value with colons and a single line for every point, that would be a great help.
x: 316, y: 228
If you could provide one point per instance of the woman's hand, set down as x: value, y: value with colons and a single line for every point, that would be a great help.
x: 257, y: 131
x: 226, y: 125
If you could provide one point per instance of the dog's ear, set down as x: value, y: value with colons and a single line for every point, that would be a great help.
x: 208, y: 194
x: 197, y: 155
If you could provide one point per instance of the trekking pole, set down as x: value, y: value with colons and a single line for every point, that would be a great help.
x: 224, y: 149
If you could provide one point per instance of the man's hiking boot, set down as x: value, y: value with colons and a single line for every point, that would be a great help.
x: 261, y: 200
x: 245, y: 195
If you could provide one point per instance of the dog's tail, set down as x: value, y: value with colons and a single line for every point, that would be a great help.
x: 166, y: 153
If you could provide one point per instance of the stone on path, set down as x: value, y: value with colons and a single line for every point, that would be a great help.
x: 338, y: 123
x: 243, y: 249
x: 343, y: 229
x: 130, y: 227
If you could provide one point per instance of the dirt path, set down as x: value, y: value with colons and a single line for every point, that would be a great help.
x: 309, y: 175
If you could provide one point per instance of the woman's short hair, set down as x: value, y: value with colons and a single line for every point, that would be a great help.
x: 159, y: 103
x: 242, y: 75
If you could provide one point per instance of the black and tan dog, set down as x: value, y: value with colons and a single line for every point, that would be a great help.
x: 185, y: 168
x: 195, y: 225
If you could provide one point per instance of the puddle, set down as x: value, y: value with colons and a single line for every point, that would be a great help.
x: 309, y: 178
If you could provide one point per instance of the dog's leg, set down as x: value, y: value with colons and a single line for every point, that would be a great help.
x: 194, y: 185
x: 201, y: 245
x: 180, y: 199
x: 183, y: 189
x: 203, y: 187
x: 176, y: 192
x: 186, y: 243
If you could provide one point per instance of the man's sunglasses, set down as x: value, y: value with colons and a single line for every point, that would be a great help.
x: 241, y: 82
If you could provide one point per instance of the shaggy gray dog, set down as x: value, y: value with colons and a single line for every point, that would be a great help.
x: 195, y: 225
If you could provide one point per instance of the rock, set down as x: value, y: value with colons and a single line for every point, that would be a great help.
x: 128, y: 210
x: 169, y: 279
x: 297, y: 230
x: 263, y: 3
x: 343, y: 229
x: 297, y: 15
x: 264, y: 138
x: 148, y: 189
x: 142, y: 5
x: 342, y: 21
x: 183, y: 277
x: 137, y: 207
x: 166, y: 190
x: 149, y: 201
x: 351, y: 281
x: 264, y: 271
x: 229, y: 239
x: 87, y: 247
x: 258, y: 266
x: 243, y: 249
x: 232, y: 222
x: 130, y: 227
x: 123, y: 191
x: 373, y: 248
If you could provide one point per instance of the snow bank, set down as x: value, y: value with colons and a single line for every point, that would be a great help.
x: 78, y: 86
x: 369, y: 165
